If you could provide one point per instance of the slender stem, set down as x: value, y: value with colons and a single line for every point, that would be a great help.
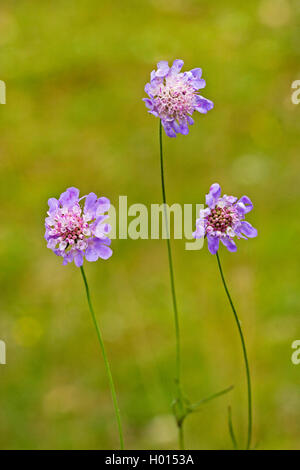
x: 231, y: 431
x: 194, y: 406
x: 244, y: 353
x: 107, y: 366
x: 176, y: 319
x: 181, y: 436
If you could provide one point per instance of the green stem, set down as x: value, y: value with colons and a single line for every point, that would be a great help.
x: 181, y: 436
x: 107, y: 366
x: 231, y: 431
x: 244, y: 353
x: 176, y: 319
x: 195, y: 406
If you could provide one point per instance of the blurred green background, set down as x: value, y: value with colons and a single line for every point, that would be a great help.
x: 75, y: 73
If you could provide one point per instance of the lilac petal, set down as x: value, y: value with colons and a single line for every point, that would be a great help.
x: 176, y: 127
x: 103, y: 205
x: 99, y: 220
x: 177, y: 66
x: 229, y: 243
x: 190, y: 120
x: 230, y: 199
x: 52, y: 243
x: 90, y: 201
x: 148, y: 103
x: 162, y: 68
x: 153, y: 112
x: 48, y: 221
x: 203, y: 213
x: 69, y: 197
x: 105, y: 240
x: 184, y: 129
x: 248, y: 230
x: 197, y: 73
x: 154, y: 84
x: 68, y: 257
x: 241, y: 209
x: 168, y: 129
x: 200, y: 230
x: 199, y: 84
x: 245, y: 204
x: 98, y: 227
x: 91, y: 254
x: 104, y: 251
x: 213, y: 195
x: 78, y: 258
x: 213, y: 244
x: 107, y: 228
x: 102, y: 230
x: 203, y: 104
x: 148, y: 89
x: 53, y: 204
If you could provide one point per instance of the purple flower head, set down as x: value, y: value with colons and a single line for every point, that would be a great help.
x: 223, y: 220
x: 173, y: 96
x: 76, y: 228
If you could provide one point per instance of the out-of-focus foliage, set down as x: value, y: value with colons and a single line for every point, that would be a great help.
x: 75, y: 73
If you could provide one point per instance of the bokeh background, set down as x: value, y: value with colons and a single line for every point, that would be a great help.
x: 75, y: 73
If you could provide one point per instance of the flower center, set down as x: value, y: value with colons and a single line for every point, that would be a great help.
x: 176, y: 101
x: 70, y: 228
x: 220, y: 219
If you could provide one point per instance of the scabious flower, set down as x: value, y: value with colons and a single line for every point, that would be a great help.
x: 223, y: 220
x: 173, y: 96
x: 76, y: 228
